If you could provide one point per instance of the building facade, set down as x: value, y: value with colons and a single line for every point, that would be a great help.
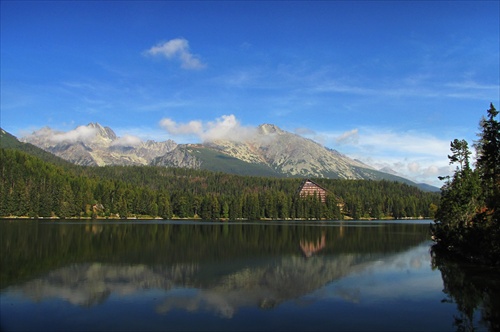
x: 310, y: 188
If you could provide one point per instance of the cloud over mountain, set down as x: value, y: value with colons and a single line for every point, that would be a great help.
x: 351, y: 136
x: 226, y: 127
x: 79, y: 134
x: 267, y: 146
x: 127, y: 141
x: 95, y: 145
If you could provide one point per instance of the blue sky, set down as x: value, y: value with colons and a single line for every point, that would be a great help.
x: 390, y: 83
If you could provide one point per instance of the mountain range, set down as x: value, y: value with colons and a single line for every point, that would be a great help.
x: 269, y: 151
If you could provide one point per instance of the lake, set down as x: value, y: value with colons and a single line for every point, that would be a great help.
x: 273, y: 275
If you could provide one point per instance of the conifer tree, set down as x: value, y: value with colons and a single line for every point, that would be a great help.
x: 467, y: 220
x: 459, y: 195
x: 488, y: 161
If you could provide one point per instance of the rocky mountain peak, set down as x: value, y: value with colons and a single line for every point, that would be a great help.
x: 104, y: 132
x: 268, y: 149
x: 94, y: 145
x: 267, y: 129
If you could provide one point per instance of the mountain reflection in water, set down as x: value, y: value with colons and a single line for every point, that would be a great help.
x: 226, y: 270
x: 265, y: 284
x: 309, y: 248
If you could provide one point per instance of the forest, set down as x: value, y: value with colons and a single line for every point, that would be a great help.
x: 32, y: 187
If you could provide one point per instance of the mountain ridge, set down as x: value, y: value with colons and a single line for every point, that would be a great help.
x: 269, y: 151
x: 95, y: 145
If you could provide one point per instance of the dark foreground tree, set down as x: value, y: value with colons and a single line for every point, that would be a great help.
x: 467, y: 221
x: 488, y: 162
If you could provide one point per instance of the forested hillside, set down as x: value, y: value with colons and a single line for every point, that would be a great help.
x: 8, y: 141
x: 32, y: 187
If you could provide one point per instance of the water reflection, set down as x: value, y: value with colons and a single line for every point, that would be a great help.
x: 474, y: 289
x: 33, y: 248
x: 303, y: 272
x: 265, y: 284
x: 91, y: 284
x: 309, y: 248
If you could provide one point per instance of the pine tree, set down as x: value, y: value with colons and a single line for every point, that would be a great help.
x: 459, y: 196
x: 467, y: 219
x: 488, y: 161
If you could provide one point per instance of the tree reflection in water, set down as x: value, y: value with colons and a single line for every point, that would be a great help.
x: 230, y: 269
x: 474, y: 289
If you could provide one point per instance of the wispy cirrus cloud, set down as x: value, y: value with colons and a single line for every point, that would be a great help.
x: 163, y: 105
x: 177, y: 49
x: 348, y: 136
x: 422, y: 86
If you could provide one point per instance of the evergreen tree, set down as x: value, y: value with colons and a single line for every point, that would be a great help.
x: 459, y: 195
x: 225, y: 210
x: 488, y: 161
x: 30, y: 186
x: 467, y: 219
x: 164, y: 207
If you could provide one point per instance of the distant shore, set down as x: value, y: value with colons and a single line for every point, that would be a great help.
x: 195, y: 218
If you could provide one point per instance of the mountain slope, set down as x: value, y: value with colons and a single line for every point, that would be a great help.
x: 272, y: 151
x: 198, y: 156
x: 95, y: 145
x: 268, y: 151
x: 291, y: 155
x: 9, y: 141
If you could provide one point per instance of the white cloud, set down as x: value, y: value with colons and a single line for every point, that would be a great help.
x: 413, y: 167
x: 348, y: 137
x: 144, y: 133
x: 419, y: 85
x: 406, y: 143
x: 418, y: 169
x: 420, y: 157
x: 80, y: 134
x: 173, y: 128
x: 127, y: 141
x: 177, y: 49
x: 227, y: 127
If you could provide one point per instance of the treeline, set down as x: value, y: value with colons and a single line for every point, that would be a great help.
x: 34, y: 188
x: 468, y: 219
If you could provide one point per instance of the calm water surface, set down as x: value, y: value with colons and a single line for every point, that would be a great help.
x: 157, y: 275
